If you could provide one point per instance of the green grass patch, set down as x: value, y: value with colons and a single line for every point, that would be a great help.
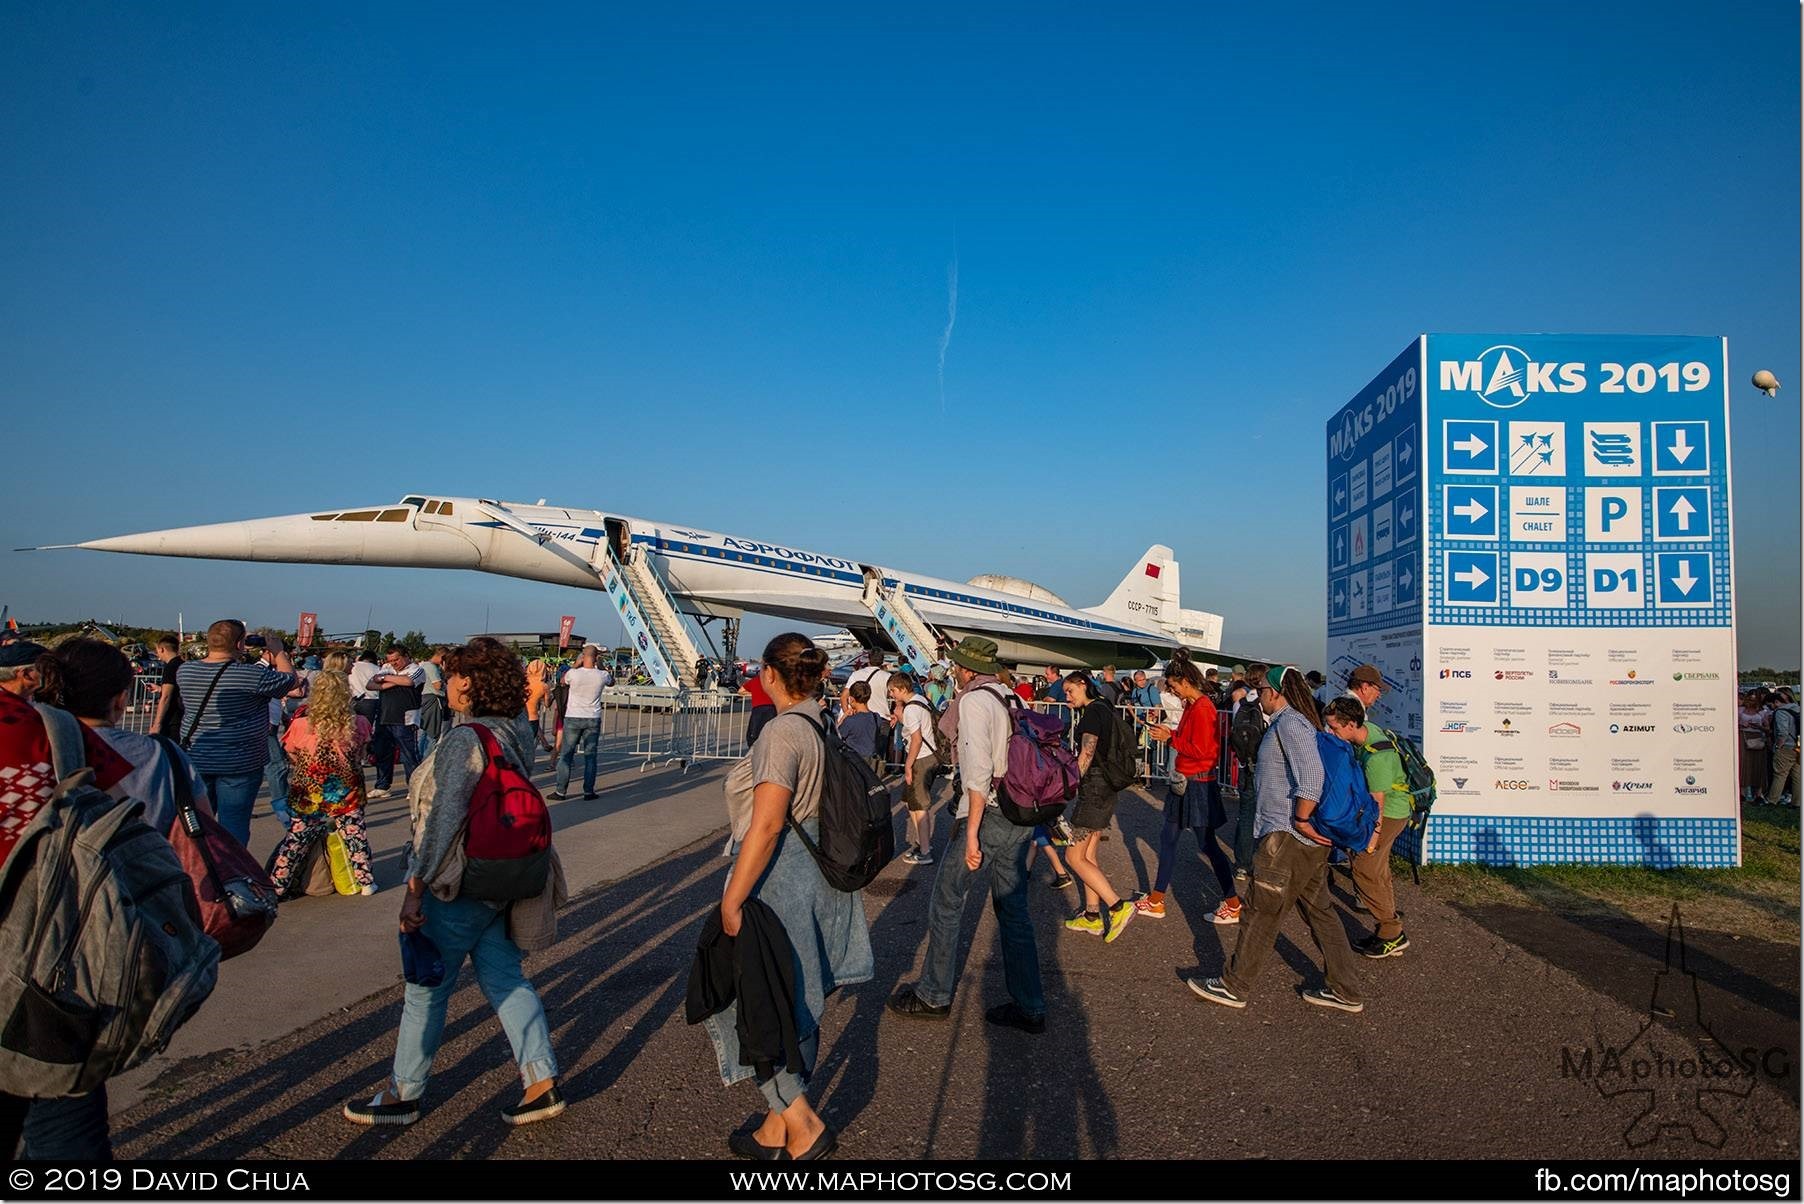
x: 1759, y: 897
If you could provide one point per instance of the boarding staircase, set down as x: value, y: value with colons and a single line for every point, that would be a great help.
x: 648, y: 612
x: 900, y: 621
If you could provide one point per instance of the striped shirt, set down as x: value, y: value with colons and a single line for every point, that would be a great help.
x: 233, y: 733
x: 1289, y: 768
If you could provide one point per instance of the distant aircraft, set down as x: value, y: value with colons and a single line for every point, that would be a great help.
x: 646, y: 565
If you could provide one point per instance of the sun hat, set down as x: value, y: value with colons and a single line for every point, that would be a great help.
x: 977, y: 654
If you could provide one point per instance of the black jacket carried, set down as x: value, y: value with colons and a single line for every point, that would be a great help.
x: 758, y: 970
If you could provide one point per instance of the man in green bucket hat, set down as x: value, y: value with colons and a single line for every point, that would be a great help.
x: 978, y: 724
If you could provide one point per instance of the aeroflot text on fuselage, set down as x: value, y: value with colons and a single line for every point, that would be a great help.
x: 766, y: 549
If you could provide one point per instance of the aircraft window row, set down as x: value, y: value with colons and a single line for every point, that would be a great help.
x: 438, y: 507
x: 433, y: 506
x: 393, y: 515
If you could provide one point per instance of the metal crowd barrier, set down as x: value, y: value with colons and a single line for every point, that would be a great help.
x: 711, y: 725
x: 639, y: 723
x: 141, y: 711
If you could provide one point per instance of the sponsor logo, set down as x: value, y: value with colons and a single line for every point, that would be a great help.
x: 1460, y: 783
x: 1564, y: 730
x: 1691, y: 786
x: 1515, y: 784
x: 1631, y: 680
x: 1554, y: 676
x: 1456, y: 726
x: 1455, y: 673
x: 1621, y: 787
x: 1507, y: 729
x: 1568, y: 786
x: 1692, y: 729
x: 1512, y: 675
x: 1617, y: 729
x: 1697, y: 677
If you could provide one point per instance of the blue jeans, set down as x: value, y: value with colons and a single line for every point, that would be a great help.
x: 586, y: 734
x: 389, y: 739
x: 1004, y: 846
x: 232, y: 795
x: 468, y: 928
x: 783, y: 1088
x: 56, y: 1130
x: 275, y: 774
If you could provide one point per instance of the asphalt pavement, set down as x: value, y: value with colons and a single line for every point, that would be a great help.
x: 1471, y: 1043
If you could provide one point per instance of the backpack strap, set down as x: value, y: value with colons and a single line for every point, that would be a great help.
x: 194, y: 724
x: 67, y: 753
x: 187, y: 813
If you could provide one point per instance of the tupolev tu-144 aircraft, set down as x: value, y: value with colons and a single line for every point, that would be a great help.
x: 707, y: 574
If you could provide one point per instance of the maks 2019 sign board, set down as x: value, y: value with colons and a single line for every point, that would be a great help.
x: 1530, y: 536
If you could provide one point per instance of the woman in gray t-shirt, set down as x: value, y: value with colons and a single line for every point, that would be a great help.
x: 780, y: 779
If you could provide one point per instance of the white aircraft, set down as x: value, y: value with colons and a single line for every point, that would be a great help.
x: 651, y: 570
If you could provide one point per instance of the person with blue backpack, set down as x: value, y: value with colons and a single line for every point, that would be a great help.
x: 1309, y: 796
x: 1386, y: 778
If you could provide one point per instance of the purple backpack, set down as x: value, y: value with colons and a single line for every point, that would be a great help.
x: 1042, y: 772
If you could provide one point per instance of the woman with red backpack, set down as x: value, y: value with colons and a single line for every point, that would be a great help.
x: 464, y: 896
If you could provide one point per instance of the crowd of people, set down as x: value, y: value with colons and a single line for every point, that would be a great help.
x: 1767, y: 735
x: 465, y: 726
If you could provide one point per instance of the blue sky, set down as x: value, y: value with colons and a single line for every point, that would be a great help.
x: 693, y: 265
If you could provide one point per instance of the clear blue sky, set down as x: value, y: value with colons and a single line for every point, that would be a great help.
x: 692, y: 264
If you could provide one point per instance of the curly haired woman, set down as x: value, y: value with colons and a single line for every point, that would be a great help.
x: 325, y: 745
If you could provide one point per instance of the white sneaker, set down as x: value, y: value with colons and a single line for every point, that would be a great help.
x: 371, y: 889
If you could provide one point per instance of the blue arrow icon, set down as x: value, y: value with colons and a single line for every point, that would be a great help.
x: 1337, y: 600
x: 1337, y: 557
x: 1471, y: 512
x: 1681, y: 448
x: 1406, y: 580
x: 1685, y: 579
x: 1337, y: 495
x: 1471, y: 579
x: 1682, y: 512
x: 1470, y: 446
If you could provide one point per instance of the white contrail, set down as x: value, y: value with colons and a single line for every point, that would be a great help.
x: 951, y: 320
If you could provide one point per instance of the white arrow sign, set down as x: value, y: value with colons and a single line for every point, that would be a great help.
x: 1683, y: 509
x: 1473, y: 510
x: 1683, y: 578
x: 1472, y: 445
x: 1474, y: 577
x: 1404, y: 578
x: 1681, y: 448
x: 1403, y: 452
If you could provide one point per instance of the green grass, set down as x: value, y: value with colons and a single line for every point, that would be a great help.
x: 1760, y: 897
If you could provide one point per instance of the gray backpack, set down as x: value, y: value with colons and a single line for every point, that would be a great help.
x: 102, y: 949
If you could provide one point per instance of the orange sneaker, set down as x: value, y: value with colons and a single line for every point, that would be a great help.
x: 1227, y: 913
x: 1149, y: 909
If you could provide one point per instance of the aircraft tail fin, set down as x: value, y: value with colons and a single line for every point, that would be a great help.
x: 1148, y: 595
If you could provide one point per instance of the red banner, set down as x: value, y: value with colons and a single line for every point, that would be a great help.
x: 564, y: 627
x: 303, y: 635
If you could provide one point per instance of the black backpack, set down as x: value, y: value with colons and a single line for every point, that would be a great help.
x: 1247, y: 731
x: 858, y: 838
x: 1120, y: 767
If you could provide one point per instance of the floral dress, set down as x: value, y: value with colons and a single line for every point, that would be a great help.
x: 325, y: 793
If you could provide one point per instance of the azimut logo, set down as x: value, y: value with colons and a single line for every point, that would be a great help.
x: 1503, y: 376
x: 1617, y: 729
x: 1455, y: 673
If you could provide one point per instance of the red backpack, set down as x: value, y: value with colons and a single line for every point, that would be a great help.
x: 507, y: 840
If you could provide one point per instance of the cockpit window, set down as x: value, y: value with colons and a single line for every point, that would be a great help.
x: 358, y: 516
x: 324, y: 518
x: 392, y: 516
x: 413, y: 501
x: 444, y: 507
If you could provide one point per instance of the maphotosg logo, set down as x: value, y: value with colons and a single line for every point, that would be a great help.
x: 1679, y: 1075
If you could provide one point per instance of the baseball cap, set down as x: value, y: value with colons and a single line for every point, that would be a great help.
x: 20, y: 653
x: 1366, y: 675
